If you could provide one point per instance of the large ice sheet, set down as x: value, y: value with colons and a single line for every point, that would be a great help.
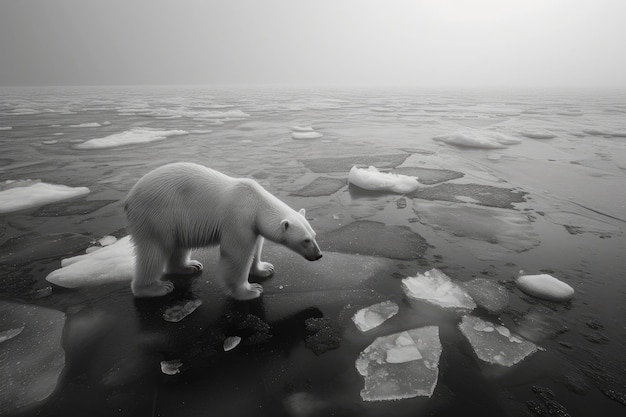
x: 493, y: 343
x: 20, y: 195
x: 436, y: 288
x: 373, y: 316
x: 130, y: 137
x: 31, y: 360
x: 401, y: 365
x: 111, y: 263
x: 372, y: 179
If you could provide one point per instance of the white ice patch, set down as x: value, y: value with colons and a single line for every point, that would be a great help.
x: 20, y: 195
x: 6, y: 127
x: 478, y: 139
x: 372, y: 179
x: 171, y: 367
x: 373, y: 316
x: 495, y: 344
x: 401, y: 365
x: 231, y: 342
x: 436, y: 288
x: 538, y: 134
x: 180, y: 310
x: 93, y: 124
x: 305, y: 135
x: 130, y: 137
x: 544, y: 286
x: 112, y: 263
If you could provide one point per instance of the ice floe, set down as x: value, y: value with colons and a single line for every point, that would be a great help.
x: 231, y: 342
x: 487, y: 294
x: 436, y: 288
x: 494, y: 343
x: 373, y: 316
x: 92, y: 124
x: 130, y: 137
x: 180, y: 310
x: 6, y: 127
x: 538, y: 134
x: 372, y: 179
x: 112, y: 263
x: 171, y: 367
x: 20, y: 195
x: 401, y: 365
x: 544, y: 286
x: 31, y: 355
x: 605, y: 132
x: 478, y: 139
x: 304, y: 132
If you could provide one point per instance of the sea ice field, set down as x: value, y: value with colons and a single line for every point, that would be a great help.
x: 465, y: 190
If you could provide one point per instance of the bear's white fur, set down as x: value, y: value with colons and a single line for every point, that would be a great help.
x: 182, y: 206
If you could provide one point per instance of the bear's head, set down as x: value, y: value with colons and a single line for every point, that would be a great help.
x: 297, y: 234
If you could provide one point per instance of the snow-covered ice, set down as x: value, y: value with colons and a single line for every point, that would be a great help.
x: 372, y: 179
x: 180, y: 310
x: 436, y: 288
x: 130, y: 137
x: 231, y: 342
x: 478, y: 139
x: 401, y: 365
x: 544, y: 286
x: 112, y: 263
x: 493, y: 343
x: 373, y: 316
x: 20, y: 195
x: 305, y: 135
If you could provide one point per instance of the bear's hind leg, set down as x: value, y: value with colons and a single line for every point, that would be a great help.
x: 259, y: 268
x: 232, y: 272
x: 179, y: 263
x: 147, y: 282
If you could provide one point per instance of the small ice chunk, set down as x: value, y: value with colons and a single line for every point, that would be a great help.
x: 305, y: 135
x: 130, y: 137
x: 401, y: 365
x: 171, y: 367
x: 538, y: 134
x: 231, y: 342
x: 478, y: 139
x: 20, y: 195
x: 373, y: 316
x: 302, y: 128
x: 436, y: 288
x: 487, y: 294
x: 6, y: 127
x: 181, y: 310
x: 107, y: 240
x: 372, y: 179
x: 10, y: 334
x: 544, y: 286
x: 92, y: 124
x: 112, y: 263
x: 495, y: 347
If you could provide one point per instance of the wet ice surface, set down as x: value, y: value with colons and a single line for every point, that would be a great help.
x: 436, y: 288
x: 373, y: 316
x: 552, y: 197
x: 494, y: 343
x: 401, y: 365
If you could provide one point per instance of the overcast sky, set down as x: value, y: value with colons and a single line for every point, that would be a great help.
x: 473, y: 43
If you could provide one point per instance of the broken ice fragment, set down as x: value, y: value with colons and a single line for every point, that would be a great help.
x: 181, y: 310
x: 401, y: 365
x: 373, y: 316
x: 372, y: 179
x: 544, y: 286
x: 436, y: 288
x: 10, y: 334
x: 495, y: 347
x: 107, y: 240
x: 487, y: 294
x: 171, y: 367
x: 231, y: 342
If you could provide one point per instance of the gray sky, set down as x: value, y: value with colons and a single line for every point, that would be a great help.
x: 473, y: 43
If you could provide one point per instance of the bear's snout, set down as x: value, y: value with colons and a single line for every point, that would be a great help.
x: 317, y: 254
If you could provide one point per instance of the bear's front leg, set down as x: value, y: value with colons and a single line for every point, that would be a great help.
x: 232, y: 272
x: 259, y: 268
x: 148, y: 270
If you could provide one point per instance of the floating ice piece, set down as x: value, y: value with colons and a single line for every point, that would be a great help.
x: 130, y: 137
x: 372, y: 179
x: 231, y: 342
x: 401, y: 365
x: 93, y: 124
x: 181, y: 310
x: 544, y: 286
x: 487, y: 294
x: 20, y: 195
x: 436, y: 288
x: 107, y: 240
x: 111, y: 263
x: 306, y: 135
x: 171, y: 367
x: 538, y: 134
x: 6, y: 127
x: 495, y: 344
x: 302, y: 129
x: 31, y: 356
x: 478, y: 139
x: 373, y: 316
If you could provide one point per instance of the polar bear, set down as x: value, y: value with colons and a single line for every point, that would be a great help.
x: 182, y: 206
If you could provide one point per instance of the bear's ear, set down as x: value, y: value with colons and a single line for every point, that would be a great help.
x: 284, y: 225
x: 302, y: 212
